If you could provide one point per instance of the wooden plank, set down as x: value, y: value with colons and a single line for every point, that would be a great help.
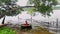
x: 3, y: 25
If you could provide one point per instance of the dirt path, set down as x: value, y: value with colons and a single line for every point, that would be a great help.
x: 22, y: 32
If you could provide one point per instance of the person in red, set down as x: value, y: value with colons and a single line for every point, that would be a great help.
x: 26, y: 23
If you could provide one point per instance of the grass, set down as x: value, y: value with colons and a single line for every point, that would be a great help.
x: 6, y: 30
x: 41, y: 30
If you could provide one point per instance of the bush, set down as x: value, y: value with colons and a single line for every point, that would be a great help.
x: 7, y: 30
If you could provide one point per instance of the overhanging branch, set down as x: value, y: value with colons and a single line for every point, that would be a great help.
x: 26, y: 6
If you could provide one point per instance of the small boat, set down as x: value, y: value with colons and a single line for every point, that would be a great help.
x: 26, y: 26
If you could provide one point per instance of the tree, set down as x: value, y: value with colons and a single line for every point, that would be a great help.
x: 9, y: 8
x: 45, y: 7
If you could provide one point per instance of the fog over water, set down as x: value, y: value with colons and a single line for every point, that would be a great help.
x: 37, y: 20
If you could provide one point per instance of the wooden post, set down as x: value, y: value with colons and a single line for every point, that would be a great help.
x: 57, y: 26
x: 3, y: 20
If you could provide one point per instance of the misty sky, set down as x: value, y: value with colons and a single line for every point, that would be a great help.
x: 22, y: 2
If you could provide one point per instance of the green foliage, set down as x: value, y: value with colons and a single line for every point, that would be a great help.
x: 9, y: 8
x: 5, y: 1
x: 30, y: 10
x: 7, y: 30
x: 45, y: 7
